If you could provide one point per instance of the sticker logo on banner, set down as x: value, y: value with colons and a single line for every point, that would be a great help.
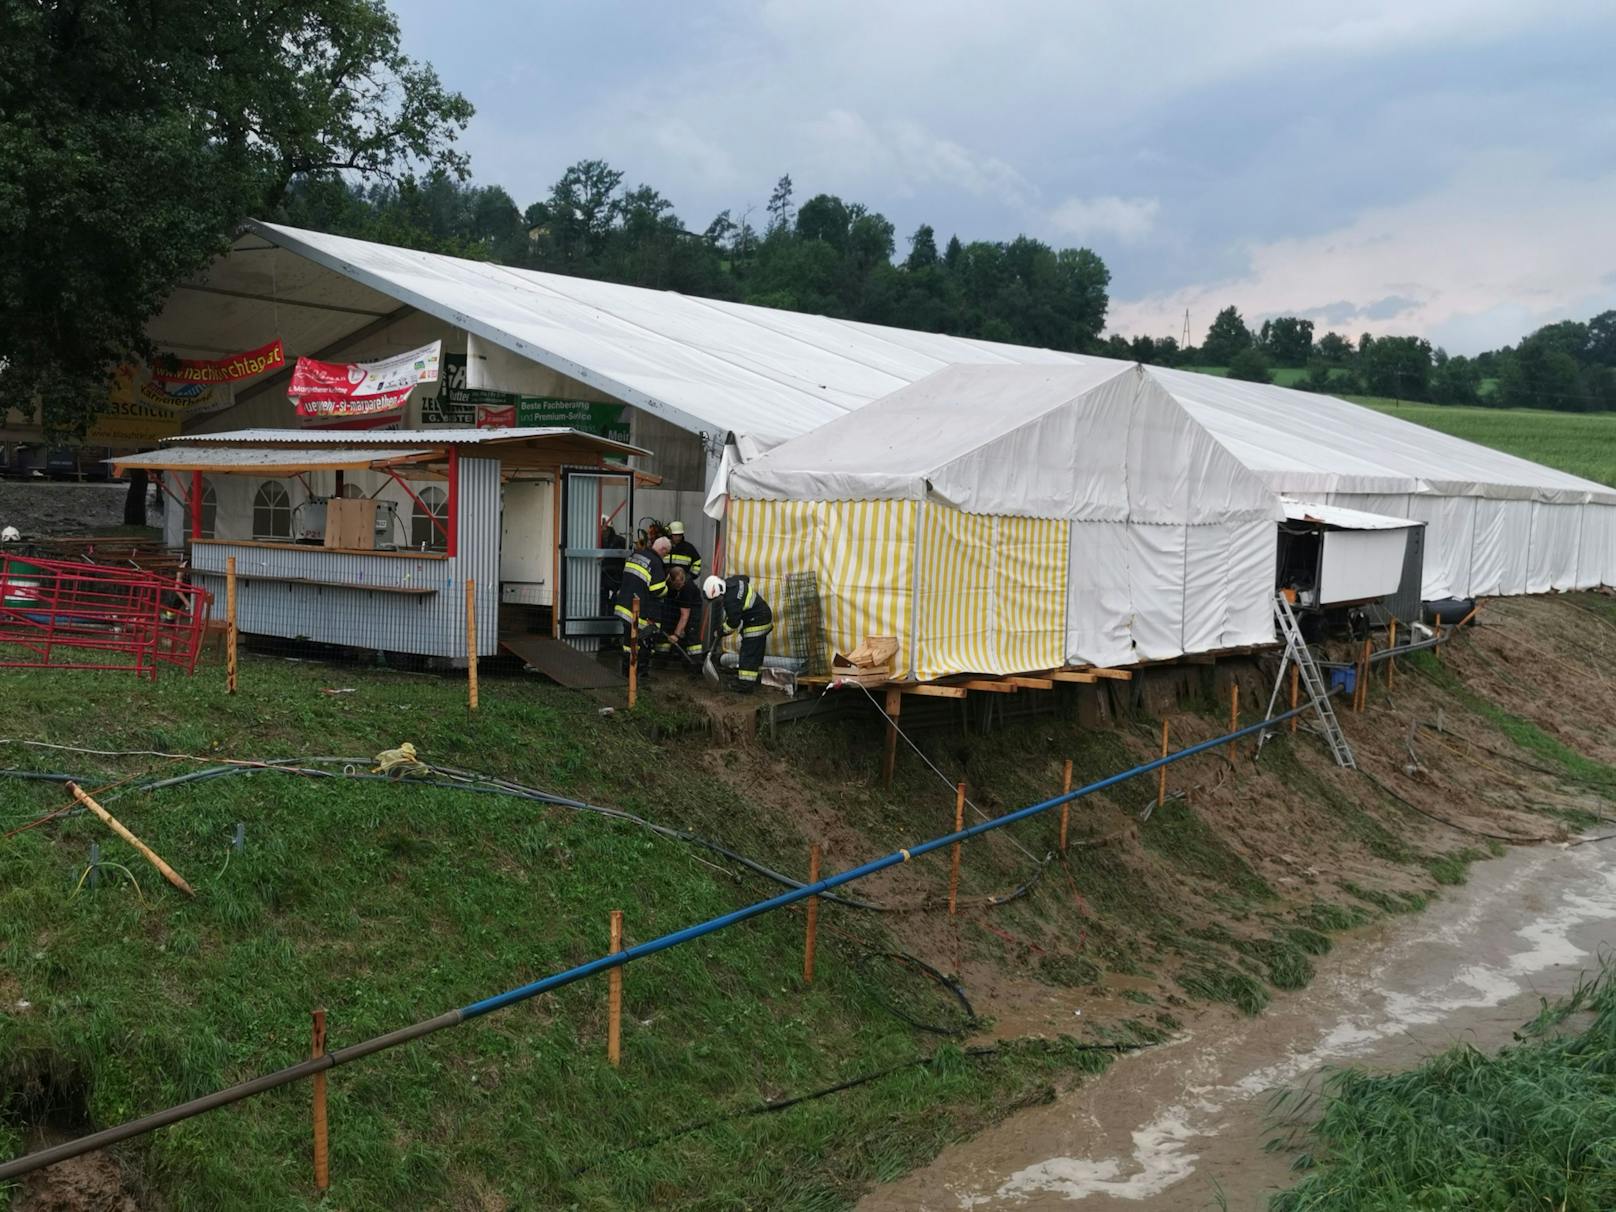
x: 358, y: 389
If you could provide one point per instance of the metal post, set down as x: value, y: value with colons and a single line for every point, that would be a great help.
x: 322, y: 1153
x: 471, y: 643
x: 95, y: 864
x: 452, y: 505
x: 196, y: 505
x: 811, y: 936
x: 230, y: 624
x: 614, y: 996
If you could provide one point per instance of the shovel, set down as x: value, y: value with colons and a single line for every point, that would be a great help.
x: 709, y: 671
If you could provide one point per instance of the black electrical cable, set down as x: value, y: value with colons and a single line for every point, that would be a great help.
x: 769, y: 1106
x: 949, y: 985
x: 1513, y: 839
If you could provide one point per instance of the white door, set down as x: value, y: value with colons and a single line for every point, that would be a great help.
x: 527, y: 543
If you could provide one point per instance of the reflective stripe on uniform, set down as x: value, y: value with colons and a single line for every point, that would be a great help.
x: 747, y: 675
x: 760, y: 629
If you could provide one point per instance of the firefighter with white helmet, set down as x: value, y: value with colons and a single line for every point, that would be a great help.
x: 745, y: 611
x: 10, y: 535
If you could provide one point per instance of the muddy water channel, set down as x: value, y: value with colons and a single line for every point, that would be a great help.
x: 1175, y: 1126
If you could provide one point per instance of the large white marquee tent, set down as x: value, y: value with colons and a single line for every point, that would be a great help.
x: 701, y: 372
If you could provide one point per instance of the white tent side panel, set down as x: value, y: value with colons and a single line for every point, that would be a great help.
x: 1099, y: 596
x: 1596, y: 558
x: 1450, y: 524
x: 1155, y: 556
x: 1556, y: 534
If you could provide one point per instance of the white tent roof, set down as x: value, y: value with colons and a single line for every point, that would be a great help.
x: 1097, y: 441
x: 723, y: 367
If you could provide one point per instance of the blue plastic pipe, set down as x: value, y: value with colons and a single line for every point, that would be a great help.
x: 281, y: 1077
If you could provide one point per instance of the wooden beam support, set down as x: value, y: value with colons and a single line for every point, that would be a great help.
x: 993, y: 687
x: 928, y: 691
x: 1116, y: 675
x: 1031, y: 683
x: 1065, y: 675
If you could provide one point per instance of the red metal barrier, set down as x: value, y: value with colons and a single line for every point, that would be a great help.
x: 64, y: 615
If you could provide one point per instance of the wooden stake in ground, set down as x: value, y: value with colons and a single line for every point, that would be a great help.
x: 1066, y: 808
x: 1363, y: 675
x: 954, y: 860
x: 1296, y: 677
x: 322, y: 1152
x: 230, y: 624
x: 813, y: 918
x: 1161, y: 775
x: 889, y: 754
x: 1234, y: 719
x: 471, y: 644
x: 614, y: 995
x: 1436, y: 646
x: 1391, y: 651
x: 634, y: 652
x: 117, y: 827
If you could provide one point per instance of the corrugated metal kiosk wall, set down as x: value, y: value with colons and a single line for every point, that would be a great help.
x: 310, y: 593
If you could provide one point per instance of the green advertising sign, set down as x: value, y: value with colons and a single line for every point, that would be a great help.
x: 604, y: 420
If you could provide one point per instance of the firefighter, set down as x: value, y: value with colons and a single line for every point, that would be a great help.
x: 681, y: 623
x: 684, y: 554
x: 644, y: 577
x: 745, y: 611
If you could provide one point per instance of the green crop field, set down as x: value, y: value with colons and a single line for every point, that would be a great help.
x: 1581, y: 443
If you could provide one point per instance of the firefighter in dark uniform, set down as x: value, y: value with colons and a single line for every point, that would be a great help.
x: 681, y: 620
x: 745, y: 611
x: 644, y: 577
x: 684, y: 554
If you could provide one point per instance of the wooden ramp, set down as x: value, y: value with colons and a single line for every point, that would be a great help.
x: 560, y: 662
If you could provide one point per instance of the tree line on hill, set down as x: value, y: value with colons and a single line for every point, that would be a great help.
x: 1569, y: 366
x: 827, y: 255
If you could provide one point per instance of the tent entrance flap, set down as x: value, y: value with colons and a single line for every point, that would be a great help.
x: 597, y: 524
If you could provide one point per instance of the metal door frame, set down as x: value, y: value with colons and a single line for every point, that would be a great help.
x: 572, y: 626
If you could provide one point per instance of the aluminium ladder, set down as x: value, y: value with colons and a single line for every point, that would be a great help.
x: 1318, y: 694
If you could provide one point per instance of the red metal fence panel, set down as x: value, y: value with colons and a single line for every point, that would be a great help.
x: 71, y: 615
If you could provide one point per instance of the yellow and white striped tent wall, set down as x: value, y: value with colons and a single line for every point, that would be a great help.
x: 963, y: 593
x: 992, y: 596
x: 862, y: 555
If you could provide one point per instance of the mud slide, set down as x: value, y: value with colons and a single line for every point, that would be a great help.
x: 1184, y: 1126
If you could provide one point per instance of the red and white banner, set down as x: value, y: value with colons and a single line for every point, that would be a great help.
x: 358, y: 389
x: 220, y: 370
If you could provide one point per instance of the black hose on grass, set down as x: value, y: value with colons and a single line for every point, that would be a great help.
x: 948, y: 984
x: 769, y: 1106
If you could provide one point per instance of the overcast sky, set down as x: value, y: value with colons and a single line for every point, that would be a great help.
x: 1443, y: 167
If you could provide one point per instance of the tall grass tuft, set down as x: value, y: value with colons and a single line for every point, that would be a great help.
x: 1532, y: 1127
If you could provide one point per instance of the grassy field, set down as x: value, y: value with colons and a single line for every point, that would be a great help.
x: 389, y: 903
x: 1532, y: 1127
x: 1583, y: 444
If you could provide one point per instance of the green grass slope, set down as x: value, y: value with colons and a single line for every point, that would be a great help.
x: 387, y: 904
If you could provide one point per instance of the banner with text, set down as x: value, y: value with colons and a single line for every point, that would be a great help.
x: 220, y: 370
x: 357, y: 389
